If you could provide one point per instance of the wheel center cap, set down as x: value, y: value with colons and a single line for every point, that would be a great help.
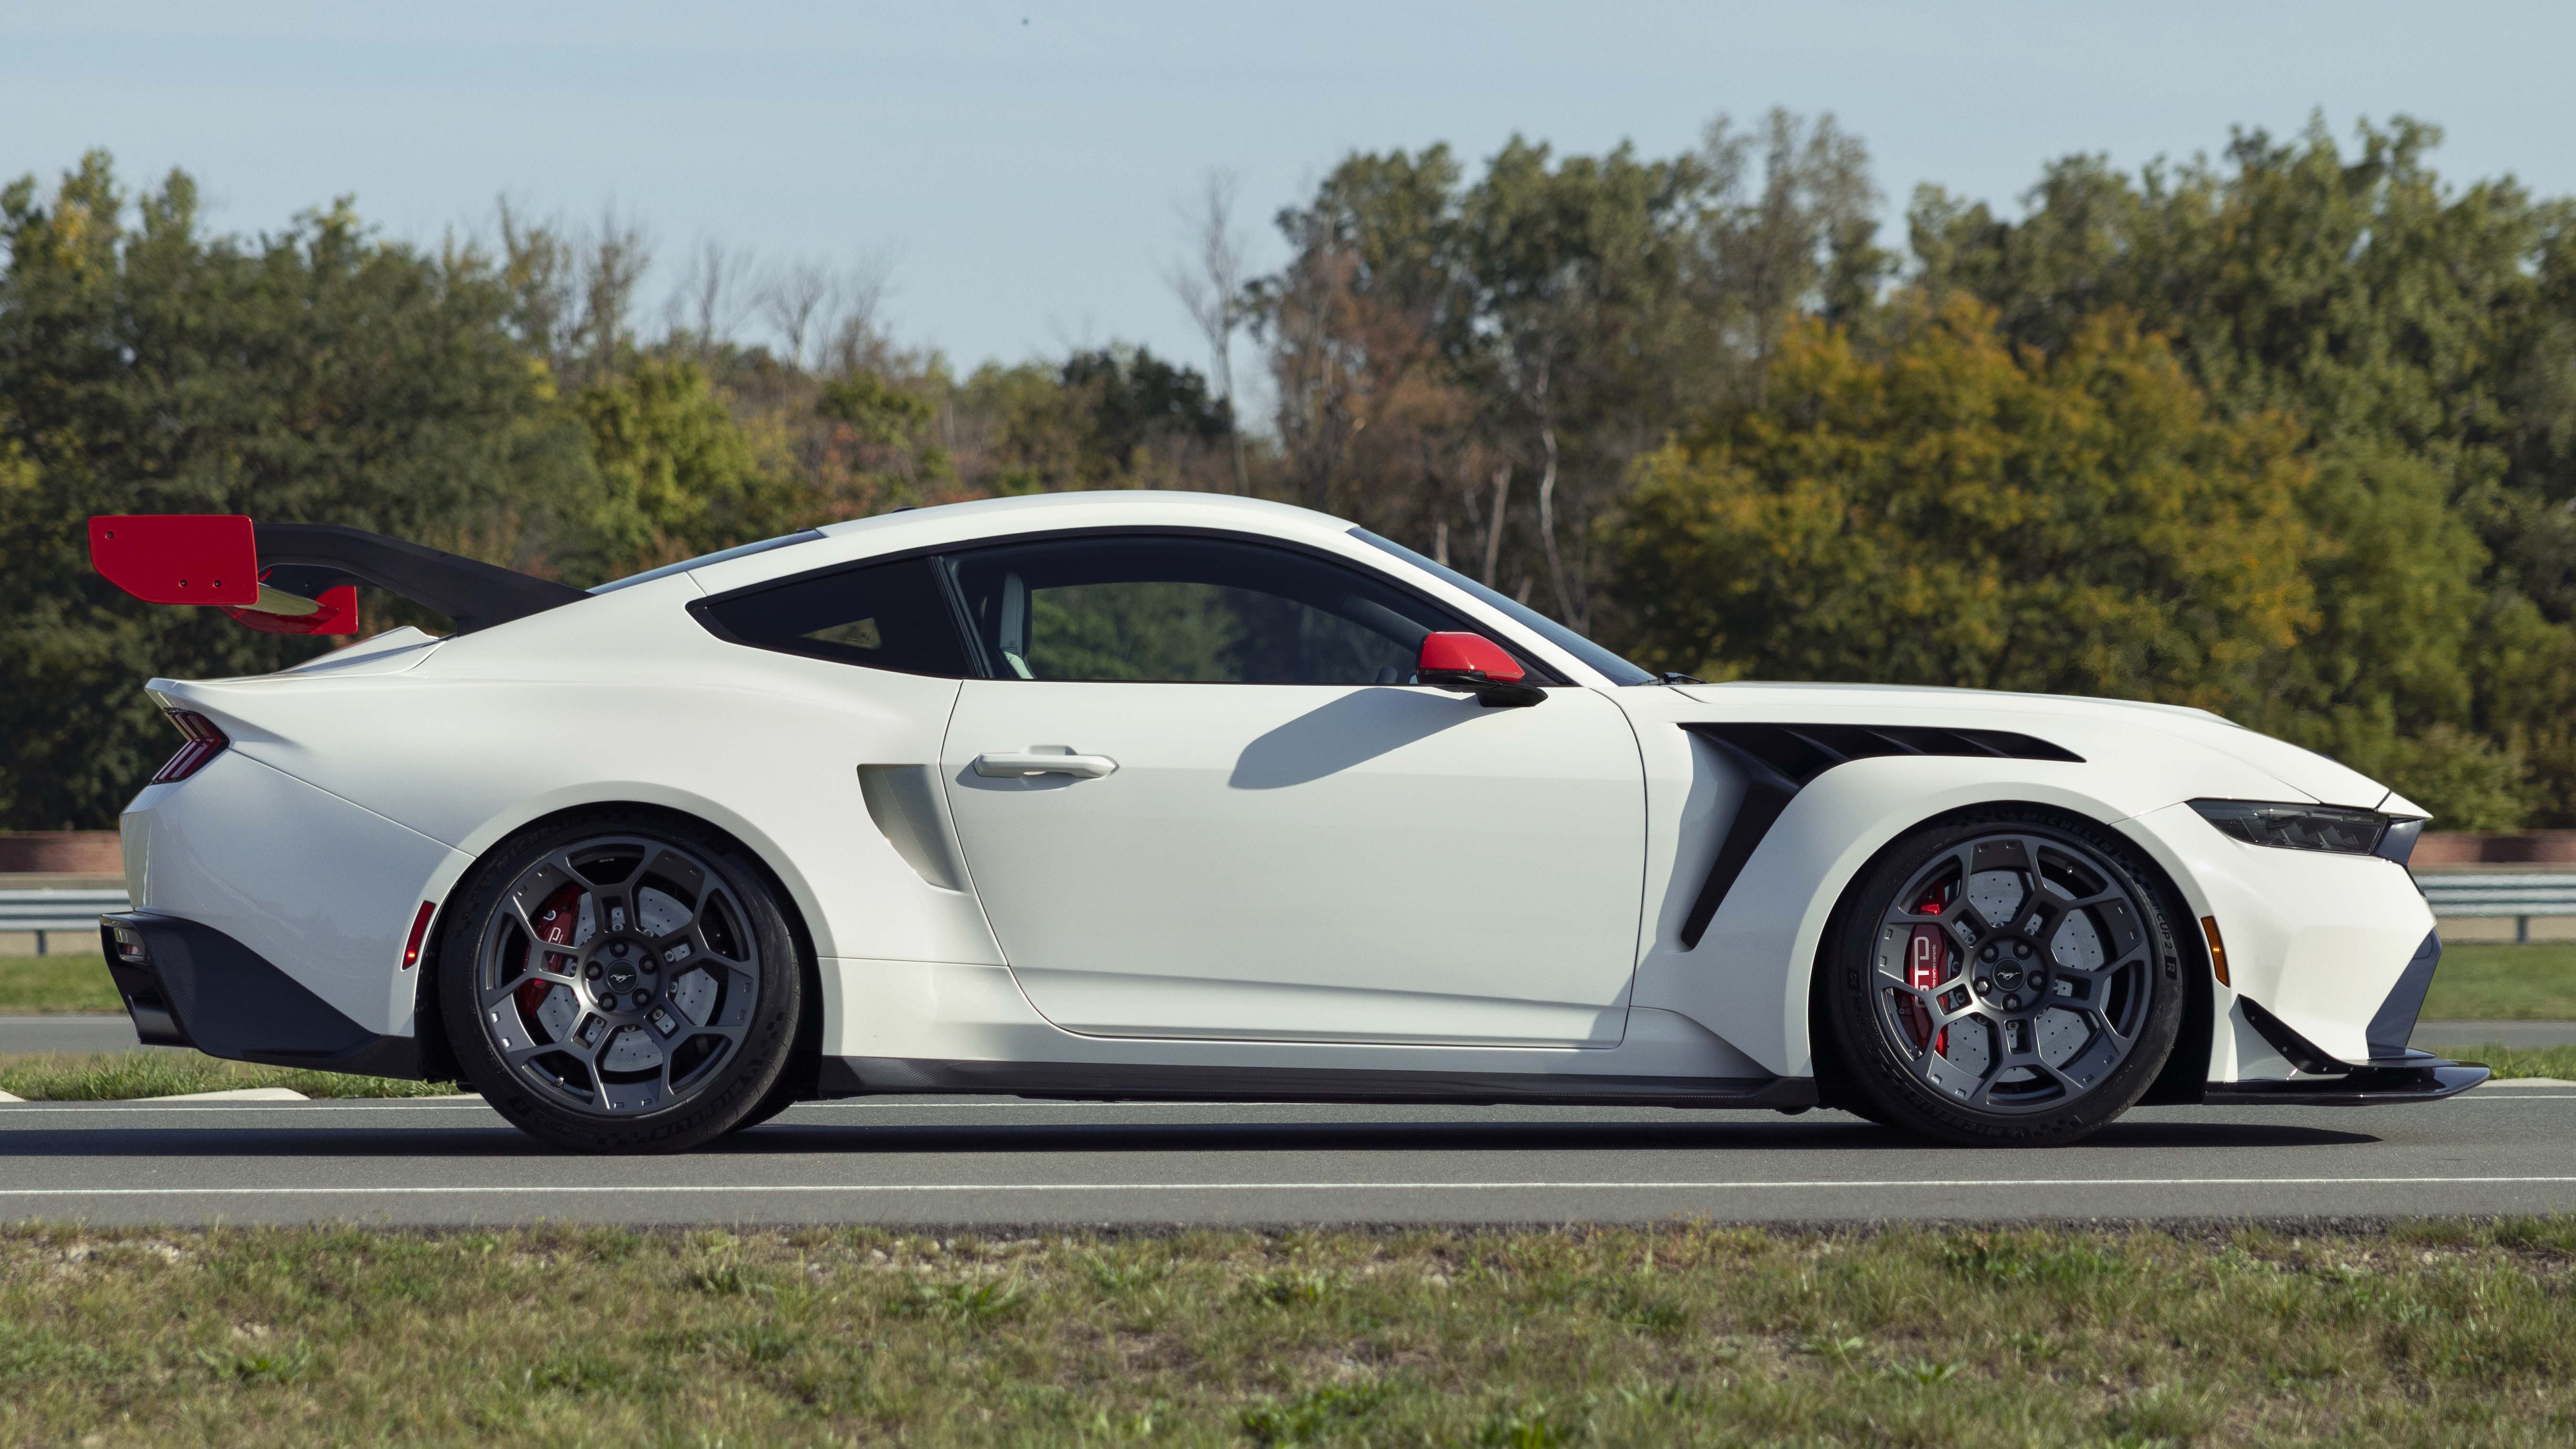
x: 621, y: 976
x: 2008, y: 977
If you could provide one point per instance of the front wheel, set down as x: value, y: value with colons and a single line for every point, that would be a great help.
x: 2008, y: 978
x: 616, y: 983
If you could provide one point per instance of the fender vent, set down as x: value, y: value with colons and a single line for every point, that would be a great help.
x: 1801, y: 752
x: 1779, y: 760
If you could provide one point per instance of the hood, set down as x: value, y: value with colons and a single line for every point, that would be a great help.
x: 2302, y: 772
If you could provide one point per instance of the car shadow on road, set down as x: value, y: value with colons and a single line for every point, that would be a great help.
x: 1835, y: 1134
x: 1824, y: 1135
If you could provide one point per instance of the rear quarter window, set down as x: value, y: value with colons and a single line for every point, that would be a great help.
x: 886, y: 616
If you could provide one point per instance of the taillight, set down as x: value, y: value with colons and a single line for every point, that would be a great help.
x: 203, y: 744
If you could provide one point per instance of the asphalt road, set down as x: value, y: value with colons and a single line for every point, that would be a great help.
x: 996, y: 1163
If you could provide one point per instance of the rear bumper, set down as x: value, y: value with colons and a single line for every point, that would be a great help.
x: 188, y: 984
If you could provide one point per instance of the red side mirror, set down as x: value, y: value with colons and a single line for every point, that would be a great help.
x: 1468, y: 654
x: 1474, y: 664
x: 178, y: 558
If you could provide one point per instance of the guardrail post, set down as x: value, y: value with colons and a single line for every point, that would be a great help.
x: 2522, y: 930
x: 40, y: 943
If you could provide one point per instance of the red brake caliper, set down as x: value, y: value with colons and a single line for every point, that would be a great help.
x: 1927, y: 961
x: 555, y: 920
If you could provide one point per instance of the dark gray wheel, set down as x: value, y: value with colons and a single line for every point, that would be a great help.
x: 2007, y: 978
x: 621, y: 984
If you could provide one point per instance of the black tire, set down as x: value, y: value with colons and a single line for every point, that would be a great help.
x: 2035, y: 1029
x: 680, y: 1036
x: 781, y: 1096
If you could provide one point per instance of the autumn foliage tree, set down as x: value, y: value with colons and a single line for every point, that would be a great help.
x: 1944, y: 508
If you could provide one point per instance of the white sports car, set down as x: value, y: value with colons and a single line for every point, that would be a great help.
x: 1160, y: 795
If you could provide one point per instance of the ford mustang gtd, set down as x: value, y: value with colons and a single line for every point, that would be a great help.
x: 1135, y: 795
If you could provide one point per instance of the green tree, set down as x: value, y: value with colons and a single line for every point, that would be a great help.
x: 889, y: 432
x: 1950, y: 510
x: 316, y: 375
x: 2425, y: 336
x: 1482, y: 359
x: 679, y: 477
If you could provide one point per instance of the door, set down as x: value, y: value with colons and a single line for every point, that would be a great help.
x: 1197, y: 799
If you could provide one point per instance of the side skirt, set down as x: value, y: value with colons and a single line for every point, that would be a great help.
x: 1121, y: 1082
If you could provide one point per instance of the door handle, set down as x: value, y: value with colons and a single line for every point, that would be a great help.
x: 1022, y: 764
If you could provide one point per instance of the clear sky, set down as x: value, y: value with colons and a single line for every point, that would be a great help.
x: 1018, y: 164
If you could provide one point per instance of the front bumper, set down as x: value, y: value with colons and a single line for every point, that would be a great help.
x: 2392, y: 1072
x: 2329, y: 956
x: 188, y: 984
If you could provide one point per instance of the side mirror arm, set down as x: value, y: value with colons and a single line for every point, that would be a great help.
x: 1491, y: 693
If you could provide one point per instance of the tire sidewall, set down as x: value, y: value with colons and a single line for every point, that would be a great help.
x: 1878, y: 1072
x: 744, y: 1083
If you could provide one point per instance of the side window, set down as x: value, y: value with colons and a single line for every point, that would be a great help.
x: 1187, y: 610
x: 892, y: 616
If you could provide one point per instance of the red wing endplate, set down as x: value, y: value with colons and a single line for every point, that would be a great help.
x: 178, y: 558
x: 210, y: 558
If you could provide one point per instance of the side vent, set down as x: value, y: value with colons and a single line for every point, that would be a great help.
x: 1779, y: 760
x: 903, y: 801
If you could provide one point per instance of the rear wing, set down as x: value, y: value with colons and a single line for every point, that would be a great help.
x: 301, y: 578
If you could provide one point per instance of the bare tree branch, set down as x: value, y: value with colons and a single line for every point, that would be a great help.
x: 1210, y: 285
x: 614, y: 262
x: 715, y: 295
x: 793, y: 296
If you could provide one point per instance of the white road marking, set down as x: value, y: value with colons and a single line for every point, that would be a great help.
x: 595, y: 1189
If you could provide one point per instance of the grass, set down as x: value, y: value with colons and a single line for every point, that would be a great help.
x: 2440, y: 1332
x: 122, y: 1076
x: 75, y: 981
x: 2504, y: 983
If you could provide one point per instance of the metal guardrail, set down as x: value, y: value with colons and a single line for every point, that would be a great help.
x: 2517, y: 894
x: 47, y: 912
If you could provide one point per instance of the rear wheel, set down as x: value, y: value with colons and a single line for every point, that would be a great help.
x: 621, y: 984
x: 2006, y: 978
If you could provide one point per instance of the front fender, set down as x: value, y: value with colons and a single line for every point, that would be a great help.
x: 1748, y: 978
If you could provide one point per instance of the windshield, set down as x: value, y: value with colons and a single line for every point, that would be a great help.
x: 740, y: 550
x: 1610, y: 666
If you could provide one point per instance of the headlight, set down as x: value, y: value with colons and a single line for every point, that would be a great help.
x: 2336, y: 828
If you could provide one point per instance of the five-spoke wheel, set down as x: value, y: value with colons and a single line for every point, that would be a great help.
x: 2009, y: 977
x: 620, y: 984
